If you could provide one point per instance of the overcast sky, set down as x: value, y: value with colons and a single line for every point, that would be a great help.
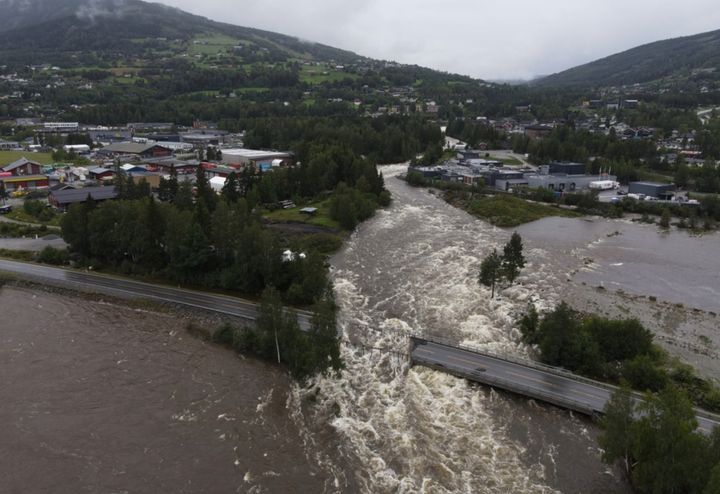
x: 500, y: 39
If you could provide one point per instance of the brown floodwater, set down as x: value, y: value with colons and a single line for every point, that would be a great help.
x: 97, y: 397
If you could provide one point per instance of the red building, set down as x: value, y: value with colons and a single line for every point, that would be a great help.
x: 22, y: 167
x: 23, y: 174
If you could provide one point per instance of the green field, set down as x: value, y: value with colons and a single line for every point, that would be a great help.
x: 7, y: 157
x: 211, y: 45
x: 313, y: 74
x: 321, y: 218
x: 507, y: 211
x: 507, y: 160
x: 21, y: 215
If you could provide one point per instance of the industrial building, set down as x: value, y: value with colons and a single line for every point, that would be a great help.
x: 262, y: 160
x: 63, y: 199
x: 664, y: 192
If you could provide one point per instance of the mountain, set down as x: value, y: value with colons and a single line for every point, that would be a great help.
x: 678, y: 59
x: 36, y: 31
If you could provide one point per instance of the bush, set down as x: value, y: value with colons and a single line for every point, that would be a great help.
x: 51, y: 255
x: 224, y: 335
x: 643, y: 374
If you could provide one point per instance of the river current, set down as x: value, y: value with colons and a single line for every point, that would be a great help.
x: 413, y: 270
x: 104, y: 398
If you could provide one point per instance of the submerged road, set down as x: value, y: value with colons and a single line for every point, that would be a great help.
x: 528, y: 379
x: 125, y: 288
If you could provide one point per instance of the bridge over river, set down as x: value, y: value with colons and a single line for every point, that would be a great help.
x: 519, y: 376
x: 525, y: 378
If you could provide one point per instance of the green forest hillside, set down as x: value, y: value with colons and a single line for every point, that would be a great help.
x: 681, y: 58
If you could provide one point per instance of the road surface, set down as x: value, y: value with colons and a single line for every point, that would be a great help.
x: 135, y: 289
x: 568, y: 391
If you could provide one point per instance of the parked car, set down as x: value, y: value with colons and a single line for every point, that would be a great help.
x: 5, y: 209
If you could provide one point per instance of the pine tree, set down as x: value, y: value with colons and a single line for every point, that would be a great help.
x: 513, y: 260
x: 491, y: 271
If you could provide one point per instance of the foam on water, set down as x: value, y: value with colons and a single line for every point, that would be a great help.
x: 413, y: 270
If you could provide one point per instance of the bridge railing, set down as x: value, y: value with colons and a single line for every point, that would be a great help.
x: 639, y: 397
x: 559, y: 371
x: 514, y: 387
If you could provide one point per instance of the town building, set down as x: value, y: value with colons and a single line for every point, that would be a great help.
x: 100, y: 173
x: 262, y: 160
x: 8, y: 145
x: 23, y: 166
x: 136, y: 149
x: 537, y: 131
x: 63, y: 199
x: 652, y: 189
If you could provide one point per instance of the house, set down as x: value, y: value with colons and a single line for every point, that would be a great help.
x: 63, y: 199
x: 101, y: 173
x: 138, y: 149
x: 23, y: 166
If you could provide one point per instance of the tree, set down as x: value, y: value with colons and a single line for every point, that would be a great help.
x: 230, y: 190
x: 323, y: 334
x: 491, y: 271
x: 616, y: 438
x: 513, y: 260
x: 667, y: 450
x: 665, y: 218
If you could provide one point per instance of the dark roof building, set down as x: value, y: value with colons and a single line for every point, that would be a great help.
x: 65, y: 198
x: 101, y: 173
x: 652, y: 189
x: 537, y: 131
x: 558, y: 168
x: 143, y: 150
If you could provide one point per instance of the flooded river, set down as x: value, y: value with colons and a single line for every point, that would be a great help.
x: 101, y: 398
x: 106, y: 399
x: 413, y: 269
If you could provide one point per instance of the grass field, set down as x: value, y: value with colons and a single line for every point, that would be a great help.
x: 321, y: 218
x: 7, y: 157
x: 313, y: 74
x: 507, y: 211
x: 211, y: 45
x: 19, y: 214
x: 507, y: 160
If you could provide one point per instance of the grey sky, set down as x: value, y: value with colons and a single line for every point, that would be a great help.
x: 482, y: 38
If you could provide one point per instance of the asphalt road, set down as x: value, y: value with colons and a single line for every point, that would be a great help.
x: 578, y: 394
x: 96, y: 283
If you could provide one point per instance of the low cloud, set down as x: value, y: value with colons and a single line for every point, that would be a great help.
x: 489, y: 40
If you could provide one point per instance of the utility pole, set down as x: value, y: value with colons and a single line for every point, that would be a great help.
x: 277, y: 345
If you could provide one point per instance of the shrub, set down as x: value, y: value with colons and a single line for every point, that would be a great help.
x: 51, y: 255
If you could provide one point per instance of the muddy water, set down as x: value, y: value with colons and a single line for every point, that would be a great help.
x: 412, y: 269
x: 100, y: 398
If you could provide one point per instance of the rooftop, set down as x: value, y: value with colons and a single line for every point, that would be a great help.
x: 253, y: 153
x: 16, y: 164
x: 69, y: 196
x: 129, y: 147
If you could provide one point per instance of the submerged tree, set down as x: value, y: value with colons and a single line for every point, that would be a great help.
x: 495, y: 267
x: 513, y: 260
x: 491, y: 271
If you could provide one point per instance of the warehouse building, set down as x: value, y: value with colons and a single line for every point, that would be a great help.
x: 664, y: 192
x: 262, y: 160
